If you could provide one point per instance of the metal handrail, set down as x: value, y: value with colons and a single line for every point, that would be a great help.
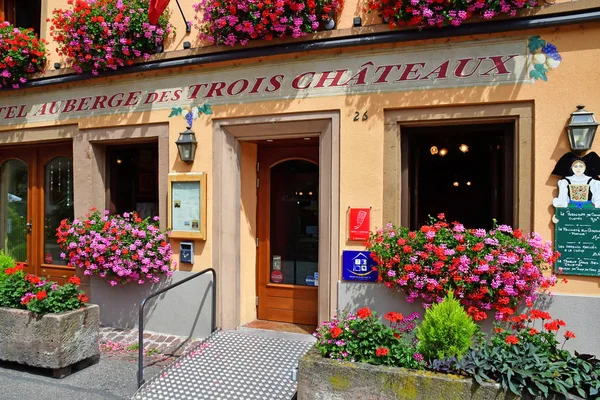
x: 141, y: 316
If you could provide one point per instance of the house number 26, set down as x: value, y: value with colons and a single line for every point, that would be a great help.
x: 358, y: 118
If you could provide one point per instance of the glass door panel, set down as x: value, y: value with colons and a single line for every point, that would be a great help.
x: 294, y: 221
x: 58, y: 204
x: 14, y: 185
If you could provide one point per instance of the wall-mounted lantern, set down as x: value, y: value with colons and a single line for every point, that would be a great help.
x: 581, y: 129
x: 186, y: 145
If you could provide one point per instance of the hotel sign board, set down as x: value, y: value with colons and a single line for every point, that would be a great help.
x: 358, y: 266
x: 452, y: 65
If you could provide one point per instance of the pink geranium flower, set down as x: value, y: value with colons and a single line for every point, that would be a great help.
x: 497, y: 270
x: 118, y: 248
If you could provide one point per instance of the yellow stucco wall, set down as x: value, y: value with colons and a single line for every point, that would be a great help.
x: 574, y: 82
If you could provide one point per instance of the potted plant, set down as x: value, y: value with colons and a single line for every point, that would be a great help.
x: 441, y: 12
x: 107, y: 34
x: 488, y: 271
x: 43, y: 324
x: 119, y: 248
x: 232, y: 22
x: 22, y: 53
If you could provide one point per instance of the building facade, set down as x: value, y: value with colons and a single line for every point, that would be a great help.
x: 404, y: 123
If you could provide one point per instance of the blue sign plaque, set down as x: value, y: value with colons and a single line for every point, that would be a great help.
x: 358, y: 266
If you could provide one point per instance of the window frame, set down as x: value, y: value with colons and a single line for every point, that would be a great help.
x: 395, y: 177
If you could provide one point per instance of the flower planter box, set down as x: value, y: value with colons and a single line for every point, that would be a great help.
x: 55, y: 341
x: 325, y: 379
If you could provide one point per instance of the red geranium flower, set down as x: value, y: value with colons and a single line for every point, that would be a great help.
x: 537, y: 314
x: 382, y: 351
x: 569, y: 335
x: 82, y: 298
x: 364, y: 313
x: 41, y: 295
x: 511, y: 339
x: 394, y: 316
x: 74, y: 280
x: 552, y: 326
x: 33, y: 279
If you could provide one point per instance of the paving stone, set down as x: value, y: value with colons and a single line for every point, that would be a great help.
x: 169, y: 347
x: 162, y: 348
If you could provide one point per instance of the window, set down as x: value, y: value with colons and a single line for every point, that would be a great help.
x: 22, y: 13
x: 14, y: 181
x: 463, y: 171
x: 133, y: 177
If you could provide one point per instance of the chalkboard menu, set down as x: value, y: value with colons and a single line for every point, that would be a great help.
x: 577, y: 238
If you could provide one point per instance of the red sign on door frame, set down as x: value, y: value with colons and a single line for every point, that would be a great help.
x: 359, y: 224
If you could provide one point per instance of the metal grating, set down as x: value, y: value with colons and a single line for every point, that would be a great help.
x: 245, y: 364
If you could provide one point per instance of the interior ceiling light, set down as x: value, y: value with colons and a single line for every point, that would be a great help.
x: 469, y: 183
x: 269, y: 140
x: 443, y: 152
x: 433, y: 150
x: 455, y: 183
x: 306, y: 138
x: 464, y: 148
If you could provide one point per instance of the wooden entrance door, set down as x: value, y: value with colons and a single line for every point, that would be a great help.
x: 36, y: 193
x: 287, y: 255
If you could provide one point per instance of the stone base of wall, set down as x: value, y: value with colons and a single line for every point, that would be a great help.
x: 55, y: 341
x: 184, y: 311
x: 324, y: 379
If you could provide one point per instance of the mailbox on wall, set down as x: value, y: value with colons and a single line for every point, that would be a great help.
x: 186, y: 252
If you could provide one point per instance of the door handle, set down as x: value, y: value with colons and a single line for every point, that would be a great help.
x: 29, y: 226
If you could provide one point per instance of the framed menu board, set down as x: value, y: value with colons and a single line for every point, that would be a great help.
x: 187, y: 205
x: 577, y: 238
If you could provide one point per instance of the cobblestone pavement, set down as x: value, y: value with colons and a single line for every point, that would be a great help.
x: 159, y: 349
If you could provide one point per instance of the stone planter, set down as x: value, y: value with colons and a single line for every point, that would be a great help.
x: 55, y: 341
x: 325, y: 379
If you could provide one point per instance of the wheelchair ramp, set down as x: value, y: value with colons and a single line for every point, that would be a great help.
x: 242, y: 364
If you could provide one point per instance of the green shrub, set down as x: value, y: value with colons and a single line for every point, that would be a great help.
x: 446, y: 331
x: 6, y: 261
